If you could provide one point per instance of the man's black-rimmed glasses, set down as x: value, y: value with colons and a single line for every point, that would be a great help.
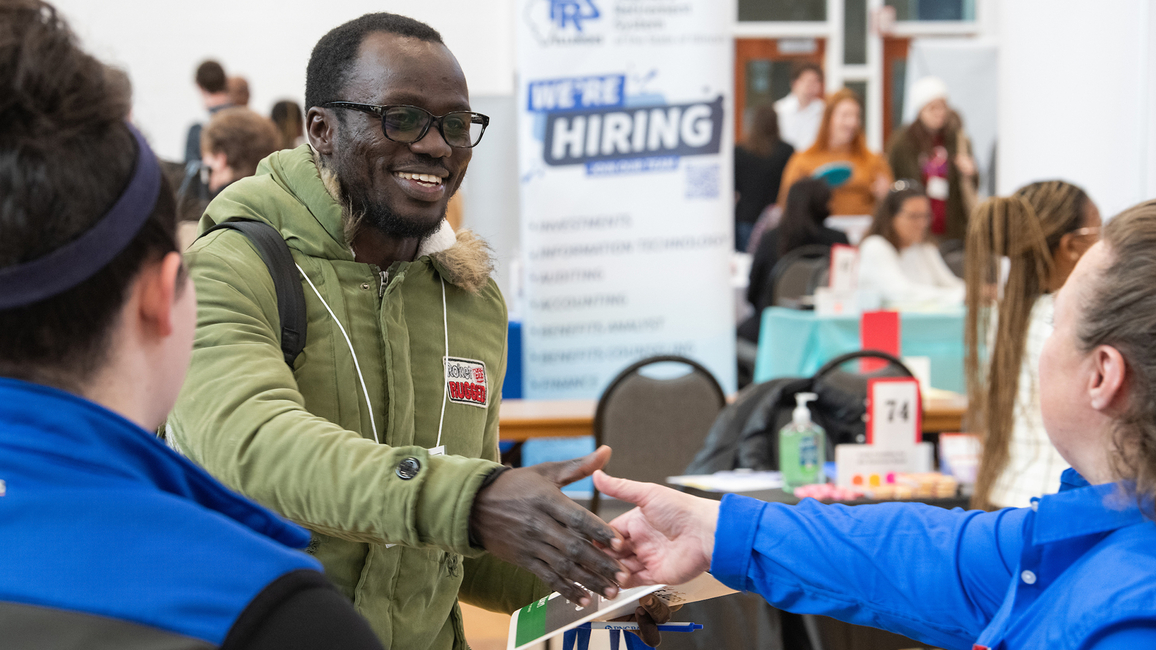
x: 408, y: 124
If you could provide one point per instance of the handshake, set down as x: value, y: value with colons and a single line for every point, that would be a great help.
x: 522, y: 518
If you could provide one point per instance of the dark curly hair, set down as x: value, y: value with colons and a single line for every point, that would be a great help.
x: 333, y: 56
x: 66, y: 154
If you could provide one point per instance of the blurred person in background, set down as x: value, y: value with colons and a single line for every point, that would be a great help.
x: 112, y: 540
x: 896, y: 260
x: 1042, y: 231
x: 934, y: 150
x: 858, y: 177
x: 287, y: 116
x: 213, y: 86
x: 801, y: 112
x: 232, y: 144
x: 801, y: 225
x: 238, y: 89
x: 759, y: 163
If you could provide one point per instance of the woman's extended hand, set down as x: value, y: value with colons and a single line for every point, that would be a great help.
x: 669, y: 536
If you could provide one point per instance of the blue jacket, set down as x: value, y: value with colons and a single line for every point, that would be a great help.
x: 1076, y: 570
x: 98, y: 517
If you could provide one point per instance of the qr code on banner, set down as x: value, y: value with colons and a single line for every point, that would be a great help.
x: 702, y: 181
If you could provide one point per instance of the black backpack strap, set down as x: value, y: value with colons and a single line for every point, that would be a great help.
x: 290, y: 296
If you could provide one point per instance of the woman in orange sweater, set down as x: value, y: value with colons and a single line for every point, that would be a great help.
x: 857, y: 176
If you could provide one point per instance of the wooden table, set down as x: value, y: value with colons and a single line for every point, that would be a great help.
x: 524, y: 419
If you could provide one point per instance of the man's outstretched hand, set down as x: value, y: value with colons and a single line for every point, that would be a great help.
x: 524, y: 519
x: 669, y: 536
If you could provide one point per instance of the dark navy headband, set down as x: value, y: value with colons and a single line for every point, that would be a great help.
x: 80, y: 259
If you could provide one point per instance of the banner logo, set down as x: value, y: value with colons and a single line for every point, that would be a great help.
x: 563, y: 22
x: 572, y: 12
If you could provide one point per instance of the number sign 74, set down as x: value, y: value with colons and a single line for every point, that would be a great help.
x: 894, y: 412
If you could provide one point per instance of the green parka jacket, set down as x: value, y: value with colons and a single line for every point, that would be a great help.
x: 393, y: 536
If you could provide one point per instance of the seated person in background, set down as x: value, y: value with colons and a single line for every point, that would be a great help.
x: 801, y: 225
x: 1043, y: 230
x: 759, y: 163
x: 897, y: 261
x: 112, y: 540
x: 840, y: 148
x: 1077, y: 570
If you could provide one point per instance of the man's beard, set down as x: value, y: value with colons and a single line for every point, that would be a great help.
x: 384, y: 218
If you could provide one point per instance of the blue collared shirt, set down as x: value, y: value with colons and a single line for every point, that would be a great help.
x: 1076, y: 570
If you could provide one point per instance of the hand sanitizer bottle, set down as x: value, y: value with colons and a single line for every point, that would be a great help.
x: 802, y: 447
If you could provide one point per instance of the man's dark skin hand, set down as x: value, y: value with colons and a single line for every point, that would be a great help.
x: 524, y: 519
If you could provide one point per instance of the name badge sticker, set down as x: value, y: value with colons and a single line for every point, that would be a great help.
x: 466, y: 381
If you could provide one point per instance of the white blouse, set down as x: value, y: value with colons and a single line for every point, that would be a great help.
x: 916, y: 277
x: 1034, y: 466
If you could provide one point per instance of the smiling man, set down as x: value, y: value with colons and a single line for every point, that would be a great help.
x: 381, y: 437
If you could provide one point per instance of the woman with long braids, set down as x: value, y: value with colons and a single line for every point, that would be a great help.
x: 1041, y: 230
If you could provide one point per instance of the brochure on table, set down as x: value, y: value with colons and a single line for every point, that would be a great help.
x: 553, y: 615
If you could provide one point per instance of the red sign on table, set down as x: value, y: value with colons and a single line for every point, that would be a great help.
x: 879, y: 330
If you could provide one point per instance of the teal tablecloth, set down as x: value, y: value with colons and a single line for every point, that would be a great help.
x: 794, y: 343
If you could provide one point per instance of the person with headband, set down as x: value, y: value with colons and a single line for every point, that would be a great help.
x: 112, y: 540
x: 1075, y: 570
x: 382, y: 436
x: 1041, y: 231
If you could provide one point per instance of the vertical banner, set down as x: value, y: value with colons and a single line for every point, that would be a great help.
x: 627, y: 200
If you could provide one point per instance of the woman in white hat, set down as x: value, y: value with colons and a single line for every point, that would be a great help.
x: 934, y: 150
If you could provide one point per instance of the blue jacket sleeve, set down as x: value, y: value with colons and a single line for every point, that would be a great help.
x: 935, y: 575
x: 1126, y: 636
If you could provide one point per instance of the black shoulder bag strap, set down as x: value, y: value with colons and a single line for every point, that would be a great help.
x: 290, y: 296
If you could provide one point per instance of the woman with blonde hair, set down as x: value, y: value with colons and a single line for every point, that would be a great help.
x: 857, y: 176
x: 1041, y: 230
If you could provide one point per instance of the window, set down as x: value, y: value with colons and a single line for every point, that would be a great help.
x: 778, y: 10
x: 916, y: 10
x: 854, y: 32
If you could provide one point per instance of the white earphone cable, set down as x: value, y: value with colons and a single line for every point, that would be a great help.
x: 445, y: 362
x: 356, y: 366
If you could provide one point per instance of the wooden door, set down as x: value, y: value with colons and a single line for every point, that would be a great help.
x: 894, y: 78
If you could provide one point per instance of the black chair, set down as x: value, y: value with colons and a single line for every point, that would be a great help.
x: 953, y: 255
x: 655, y: 426
x: 797, y: 274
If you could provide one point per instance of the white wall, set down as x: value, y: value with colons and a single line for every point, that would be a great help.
x: 160, y: 43
x: 1077, y: 92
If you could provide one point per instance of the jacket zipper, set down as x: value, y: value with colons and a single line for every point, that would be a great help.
x: 384, y: 281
